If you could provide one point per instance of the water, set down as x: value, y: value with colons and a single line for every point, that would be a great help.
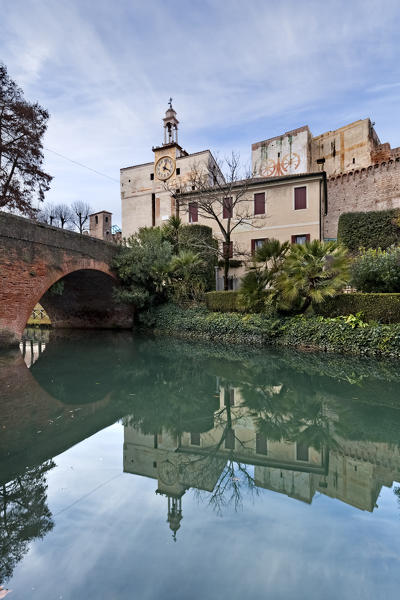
x: 153, y: 468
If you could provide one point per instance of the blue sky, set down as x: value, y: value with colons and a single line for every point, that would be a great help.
x: 238, y: 72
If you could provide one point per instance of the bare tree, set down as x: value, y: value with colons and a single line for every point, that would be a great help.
x: 219, y: 193
x: 63, y: 214
x: 80, y: 212
x: 48, y: 214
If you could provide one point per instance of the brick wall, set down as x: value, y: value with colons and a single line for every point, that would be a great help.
x: 373, y: 188
x: 33, y: 257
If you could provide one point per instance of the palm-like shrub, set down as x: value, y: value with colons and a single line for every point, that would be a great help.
x: 312, y: 272
x: 257, y: 290
x: 186, y: 282
x: 171, y: 232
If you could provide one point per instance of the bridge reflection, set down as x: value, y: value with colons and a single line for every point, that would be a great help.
x: 223, y: 422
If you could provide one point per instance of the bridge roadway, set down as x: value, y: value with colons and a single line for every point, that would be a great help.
x: 34, y: 256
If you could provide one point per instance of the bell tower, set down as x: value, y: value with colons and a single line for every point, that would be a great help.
x: 170, y: 146
x: 170, y: 126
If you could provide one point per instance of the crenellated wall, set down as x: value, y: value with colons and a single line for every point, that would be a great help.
x: 376, y: 187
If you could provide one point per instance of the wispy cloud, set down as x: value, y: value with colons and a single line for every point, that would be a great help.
x: 238, y: 73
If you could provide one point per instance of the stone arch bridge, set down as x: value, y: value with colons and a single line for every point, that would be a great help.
x: 33, y: 257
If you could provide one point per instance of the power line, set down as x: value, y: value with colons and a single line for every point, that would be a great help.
x: 80, y: 164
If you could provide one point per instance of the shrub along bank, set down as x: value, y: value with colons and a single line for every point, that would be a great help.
x: 384, y: 308
x: 348, y: 336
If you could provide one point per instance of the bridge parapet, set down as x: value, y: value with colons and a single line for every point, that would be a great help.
x: 33, y: 256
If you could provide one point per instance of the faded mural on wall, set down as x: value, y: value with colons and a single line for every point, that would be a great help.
x: 284, y: 155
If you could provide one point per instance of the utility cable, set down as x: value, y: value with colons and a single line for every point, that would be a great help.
x: 80, y: 164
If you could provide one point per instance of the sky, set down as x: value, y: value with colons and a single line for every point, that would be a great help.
x: 238, y: 72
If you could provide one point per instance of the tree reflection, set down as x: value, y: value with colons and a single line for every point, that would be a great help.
x: 24, y: 516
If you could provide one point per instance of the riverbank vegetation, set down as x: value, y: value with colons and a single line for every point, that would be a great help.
x: 291, y: 294
x: 347, y: 335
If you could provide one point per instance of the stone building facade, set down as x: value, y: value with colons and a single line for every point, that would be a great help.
x: 362, y: 174
x: 148, y: 190
x: 339, y: 171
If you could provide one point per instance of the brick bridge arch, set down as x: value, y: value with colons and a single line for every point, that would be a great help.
x: 33, y: 257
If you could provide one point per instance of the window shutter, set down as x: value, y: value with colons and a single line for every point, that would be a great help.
x: 294, y: 237
x: 307, y: 237
x: 193, y: 212
x: 259, y: 203
x: 300, y: 198
x: 253, y: 246
x: 227, y: 212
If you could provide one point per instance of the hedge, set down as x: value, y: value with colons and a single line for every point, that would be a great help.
x: 384, y: 308
x: 374, y: 229
x: 222, y: 301
x: 311, y: 333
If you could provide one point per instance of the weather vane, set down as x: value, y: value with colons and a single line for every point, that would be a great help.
x: 170, y: 102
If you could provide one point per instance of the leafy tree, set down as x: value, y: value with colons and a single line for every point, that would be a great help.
x: 24, y: 516
x: 143, y: 264
x: 22, y: 126
x: 80, y: 212
x: 310, y: 273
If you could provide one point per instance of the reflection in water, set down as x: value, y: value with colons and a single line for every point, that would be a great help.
x: 225, y: 422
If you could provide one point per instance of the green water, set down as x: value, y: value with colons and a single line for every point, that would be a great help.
x: 133, y: 467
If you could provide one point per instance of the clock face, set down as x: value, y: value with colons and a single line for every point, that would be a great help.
x: 168, y: 473
x: 165, y: 167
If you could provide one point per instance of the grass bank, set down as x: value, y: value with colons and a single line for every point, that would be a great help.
x: 306, y: 333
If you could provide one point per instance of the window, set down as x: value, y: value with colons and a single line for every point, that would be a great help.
x: 261, y: 444
x: 178, y: 171
x: 193, y: 212
x: 154, y: 464
x: 230, y: 439
x: 259, y: 203
x: 255, y: 244
x: 106, y: 219
x: 302, y: 452
x: 227, y: 249
x: 195, y: 439
x: 151, y: 176
x: 96, y: 220
x: 229, y: 397
x: 301, y: 239
x: 300, y: 198
x: 227, y: 212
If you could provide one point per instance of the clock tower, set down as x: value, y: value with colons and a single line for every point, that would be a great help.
x: 165, y: 155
